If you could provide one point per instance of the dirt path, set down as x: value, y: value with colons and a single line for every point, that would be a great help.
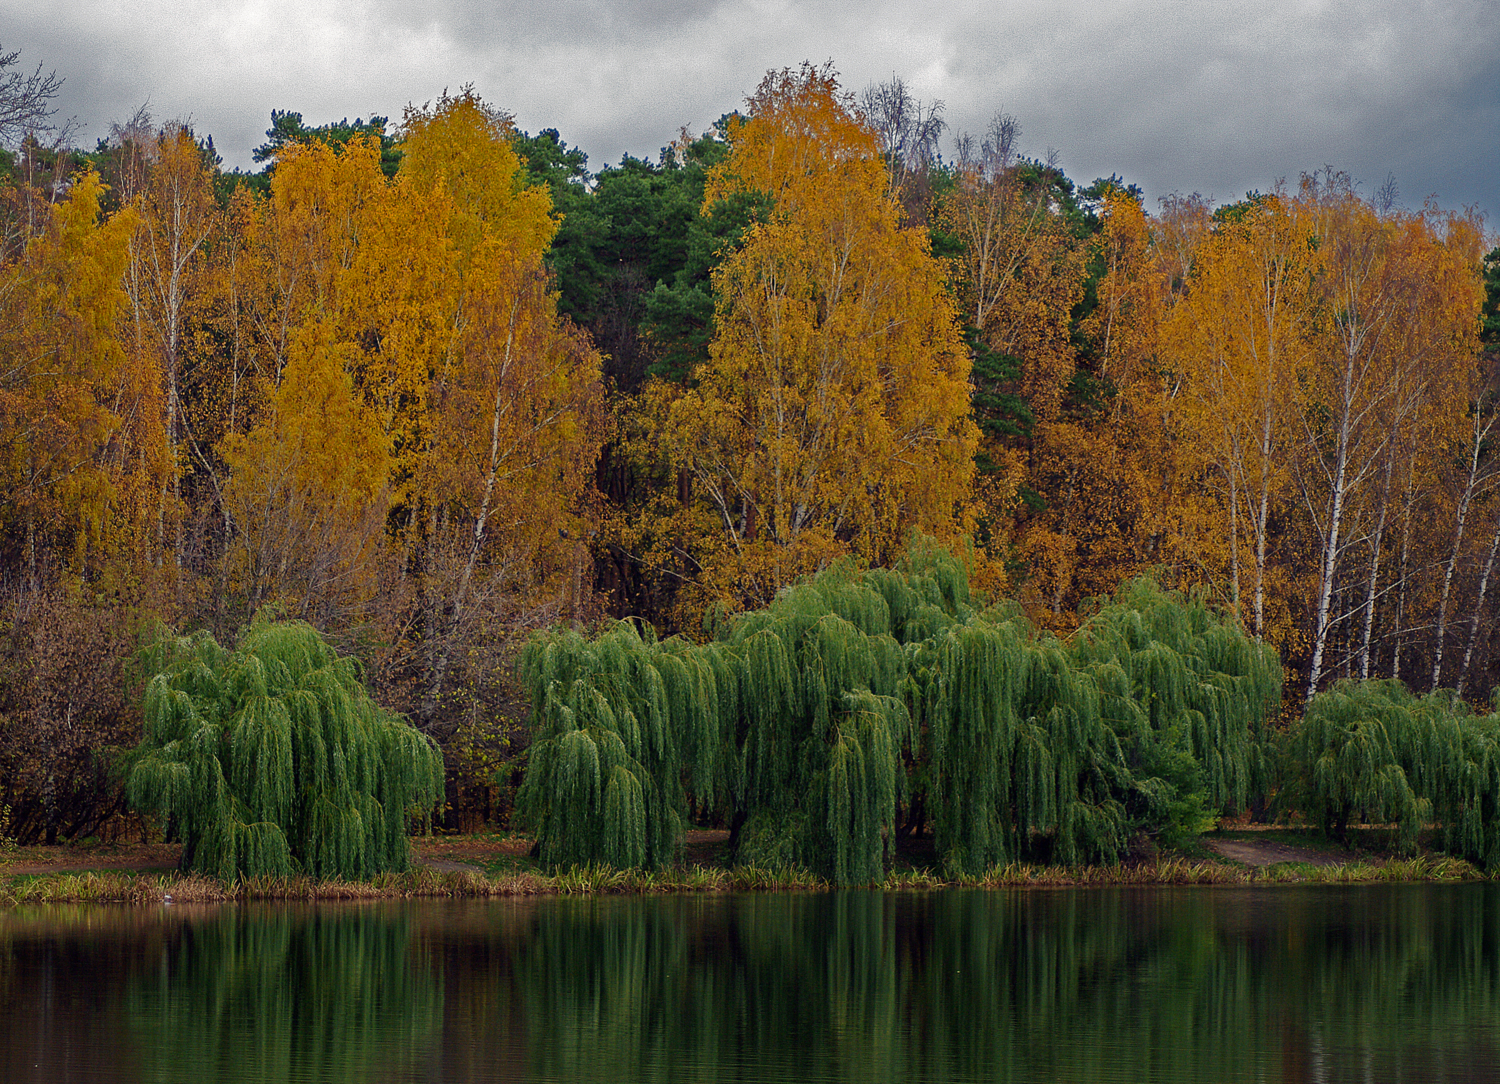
x: 65, y: 859
x: 1265, y: 852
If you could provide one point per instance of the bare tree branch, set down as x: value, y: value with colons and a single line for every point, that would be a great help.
x: 25, y: 100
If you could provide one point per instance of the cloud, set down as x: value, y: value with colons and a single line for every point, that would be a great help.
x: 1176, y: 96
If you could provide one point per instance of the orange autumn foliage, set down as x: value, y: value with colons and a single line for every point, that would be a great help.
x: 831, y: 417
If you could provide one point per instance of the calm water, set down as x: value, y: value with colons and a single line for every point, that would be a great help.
x: 1373, y: 983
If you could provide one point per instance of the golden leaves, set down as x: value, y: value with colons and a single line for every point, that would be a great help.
x: 66, y: 388
x: 420, y: 360
x: 832, y: 415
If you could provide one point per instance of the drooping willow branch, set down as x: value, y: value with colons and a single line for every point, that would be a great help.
x: 811, y: 723
x: 272, y: 758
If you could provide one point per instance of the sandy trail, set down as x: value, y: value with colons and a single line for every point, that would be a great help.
x: 1265, y: 852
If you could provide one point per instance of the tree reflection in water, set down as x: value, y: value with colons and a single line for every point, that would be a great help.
x: 1040, y: 985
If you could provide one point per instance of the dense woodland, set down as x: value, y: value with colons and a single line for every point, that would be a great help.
x: 430, y: 386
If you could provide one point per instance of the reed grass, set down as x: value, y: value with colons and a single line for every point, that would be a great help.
x: 425, y: 882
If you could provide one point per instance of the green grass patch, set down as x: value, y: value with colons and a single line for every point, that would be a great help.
x: 510, y: 874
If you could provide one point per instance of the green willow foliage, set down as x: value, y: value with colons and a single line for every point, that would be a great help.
x: 1374, y: 752
x: 1017, y: 746
x: 272, y: 758
x: 1151, y: 718
x: 622, y: 723
x: 824, y: 725
x: 1188, y: 695
x: 812, y: 723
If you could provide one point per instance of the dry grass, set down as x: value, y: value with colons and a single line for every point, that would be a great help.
x: 112, y: 886
x: 124, y: 887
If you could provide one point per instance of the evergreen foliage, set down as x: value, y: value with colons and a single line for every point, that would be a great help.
x: 1374, y: 752
x: 811, y: 723
x: 272, y: 758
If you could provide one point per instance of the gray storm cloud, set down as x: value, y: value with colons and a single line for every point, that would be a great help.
x: 1210, y: 97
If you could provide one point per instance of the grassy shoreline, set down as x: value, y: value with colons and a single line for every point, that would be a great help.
x: 155, y: 887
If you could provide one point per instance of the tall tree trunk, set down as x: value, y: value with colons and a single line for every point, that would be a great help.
x: 1373, y: 578
x: 1402, y: 580
x: 1470, y: 482
x: 1262, y: 523
x: 1484, y: 583
x: 451, y: 615
x: 1329, y: 566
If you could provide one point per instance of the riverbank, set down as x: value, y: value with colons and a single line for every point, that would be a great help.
x: 498, y: 866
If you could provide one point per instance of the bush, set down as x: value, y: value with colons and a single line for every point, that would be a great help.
x: 63, y: 713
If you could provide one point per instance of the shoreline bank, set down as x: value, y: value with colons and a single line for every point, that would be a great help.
x: 156, y: 887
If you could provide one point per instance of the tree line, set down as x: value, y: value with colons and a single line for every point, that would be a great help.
x: 430, y: 386
x: 863, y: 707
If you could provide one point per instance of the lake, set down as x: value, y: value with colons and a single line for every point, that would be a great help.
x: 1298, y: 983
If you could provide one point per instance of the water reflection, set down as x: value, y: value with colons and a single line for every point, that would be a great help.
x: 1305, y: 983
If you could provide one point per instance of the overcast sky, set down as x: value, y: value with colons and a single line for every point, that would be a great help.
x: 1212, y: 96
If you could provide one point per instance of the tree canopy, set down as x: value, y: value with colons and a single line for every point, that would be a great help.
x: 272, y: 758
x: 434, y: 383
x: 813, y: 723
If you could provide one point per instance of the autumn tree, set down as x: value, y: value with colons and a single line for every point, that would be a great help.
x: 1398, y: 312
x: 1103, y: 464
x: 66, y: 387
x: 308, y: 492
x: 831, y: 416
x: 491, y: 400
x: 165, y: 281
x: 1235, y: 344
x: 81, y: 460
x: 1019, y: 272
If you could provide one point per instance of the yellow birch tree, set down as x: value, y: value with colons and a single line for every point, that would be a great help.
x: 832, y: 416
x: 1235, y: 344
x: 165, y: 280
x: 68, y: 394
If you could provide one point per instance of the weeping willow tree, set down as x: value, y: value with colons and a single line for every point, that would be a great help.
x: 823, y: 728
x: 622, y: 726
x: 1188, y: 696
x: 1373, y: 752
x: 272, y: 758
x: 831, y: 738
x: 1152, y: 719
x: 793, y: 725
x: 1016, y: 749
x: 809, y: 725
